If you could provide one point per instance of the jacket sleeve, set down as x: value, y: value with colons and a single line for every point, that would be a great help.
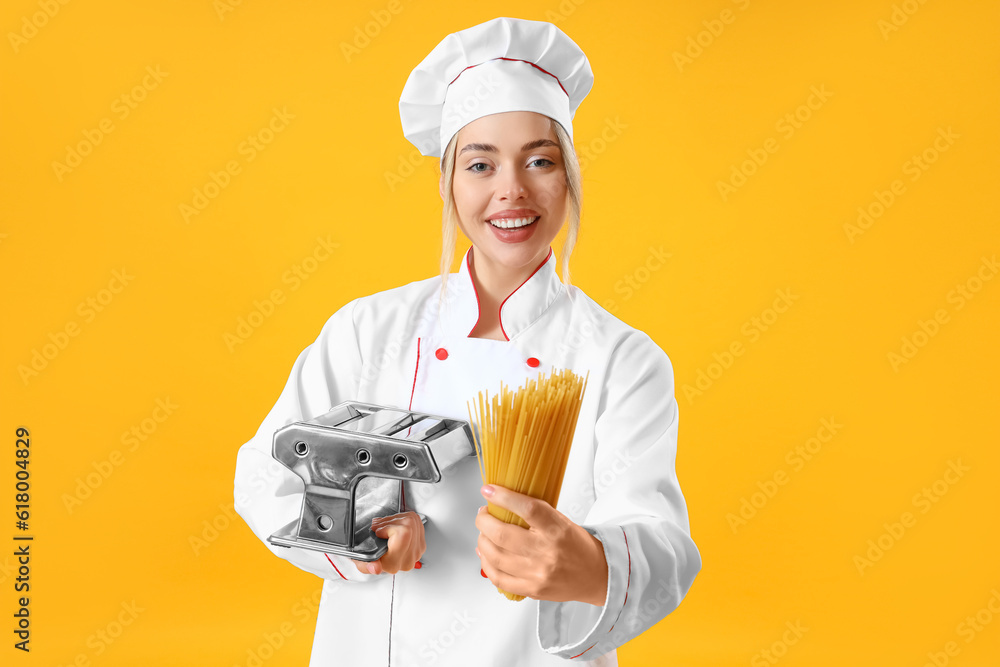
x: 267, y: 494
x: 639, y: 514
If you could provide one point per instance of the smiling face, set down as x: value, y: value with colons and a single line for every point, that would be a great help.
x: 509, y: 188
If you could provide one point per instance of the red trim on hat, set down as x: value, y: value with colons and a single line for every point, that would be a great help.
x: 516, y: 60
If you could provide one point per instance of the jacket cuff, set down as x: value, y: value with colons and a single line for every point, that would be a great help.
x: 573, y: 629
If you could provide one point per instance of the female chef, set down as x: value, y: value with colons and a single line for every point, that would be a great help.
x: 495, y: 102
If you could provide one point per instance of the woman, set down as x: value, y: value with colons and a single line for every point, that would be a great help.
x: 495, y: 102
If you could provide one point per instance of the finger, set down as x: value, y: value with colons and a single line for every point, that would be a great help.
x: 404, y: 533
x: 502, y: 560
x: 504, y: 580
x: 508, y: 536
x: 404, y: 548
x: 390, y: 559
x: 408, y: 515
x: 536, y: 512
x: 366, y: 567
x: 388, y: 521
x: 403, y: 519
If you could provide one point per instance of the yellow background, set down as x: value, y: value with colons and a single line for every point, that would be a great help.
x: 658, y: 139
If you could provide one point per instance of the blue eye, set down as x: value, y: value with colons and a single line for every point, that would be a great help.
x: 547, y: 163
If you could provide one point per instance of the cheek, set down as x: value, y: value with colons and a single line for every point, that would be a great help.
x: 552, y: 192
x: 557, y: 208
x: 462, y: 204
x: 469, y: 202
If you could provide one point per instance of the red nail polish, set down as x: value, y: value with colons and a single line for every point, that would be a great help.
x: 483, y: 573
x: 418, y: 565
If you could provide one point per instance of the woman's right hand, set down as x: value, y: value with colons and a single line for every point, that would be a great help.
x: 405, y: 533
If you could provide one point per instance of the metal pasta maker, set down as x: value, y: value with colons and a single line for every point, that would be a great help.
x: 353, y: 461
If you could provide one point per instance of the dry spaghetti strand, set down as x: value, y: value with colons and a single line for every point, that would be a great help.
x: 524, y: 438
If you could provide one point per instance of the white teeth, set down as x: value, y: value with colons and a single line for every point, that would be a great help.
x: 512, y: 223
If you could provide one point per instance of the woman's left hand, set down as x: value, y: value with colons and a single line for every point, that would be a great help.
x: 554, y: 559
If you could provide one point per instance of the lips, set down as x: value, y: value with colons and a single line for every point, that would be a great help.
x: 513, y: 225
x: 514, y: 213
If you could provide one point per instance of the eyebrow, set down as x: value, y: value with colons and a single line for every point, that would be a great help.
x: 490, y: 148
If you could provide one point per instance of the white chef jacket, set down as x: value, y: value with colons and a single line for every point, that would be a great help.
x: 393, y: 348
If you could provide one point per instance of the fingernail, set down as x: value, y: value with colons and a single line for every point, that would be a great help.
x: 371, y: 567
x: 477, y: 552
x: 483, y: 573
x: 487, y: 491
x: 418, y: 565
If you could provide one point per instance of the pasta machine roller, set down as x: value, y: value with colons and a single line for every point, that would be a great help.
x: 353, y: 461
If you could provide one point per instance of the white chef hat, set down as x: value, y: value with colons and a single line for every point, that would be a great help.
x: 505, y: 64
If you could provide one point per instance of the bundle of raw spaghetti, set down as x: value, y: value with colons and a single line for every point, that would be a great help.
x: 525, y: 436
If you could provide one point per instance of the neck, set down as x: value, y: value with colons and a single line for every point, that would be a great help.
x: 495, y: 282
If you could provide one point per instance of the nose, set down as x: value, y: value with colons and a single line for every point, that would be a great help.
x: 511, y: 184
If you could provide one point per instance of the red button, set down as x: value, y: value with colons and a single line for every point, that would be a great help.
x: 441, y: 353
x: 533, y: 362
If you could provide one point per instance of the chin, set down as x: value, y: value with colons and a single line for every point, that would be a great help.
x: 515, y: 255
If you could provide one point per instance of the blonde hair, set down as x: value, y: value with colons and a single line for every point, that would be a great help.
x: 449, y: 213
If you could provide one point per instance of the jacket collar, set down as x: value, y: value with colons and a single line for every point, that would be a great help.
x: 521, y: 307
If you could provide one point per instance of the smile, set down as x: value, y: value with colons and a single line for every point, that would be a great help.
x: 512, y: 223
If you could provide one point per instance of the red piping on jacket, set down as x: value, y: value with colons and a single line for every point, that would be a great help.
x: 499, y: 310
x: 516, y: 60
x: 627, y: 582
x: 402, y: 487
x: 410, y: 407
x: 334, y: 566
x: 402, y: 495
